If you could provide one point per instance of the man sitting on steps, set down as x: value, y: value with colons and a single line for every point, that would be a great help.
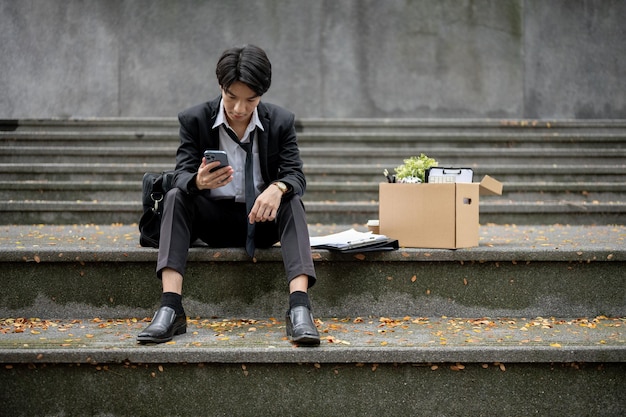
x: 255, y: 201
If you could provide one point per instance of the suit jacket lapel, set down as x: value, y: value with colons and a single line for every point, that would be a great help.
x: 262, y: 140
x: 213, y: 138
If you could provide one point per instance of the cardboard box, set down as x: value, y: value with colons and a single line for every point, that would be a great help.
x: 433, y: 215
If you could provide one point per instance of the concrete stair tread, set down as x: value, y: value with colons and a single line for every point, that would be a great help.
x: 373, y: 141
x: 492, y: 210
x: 344, y: 340
x: 119, y: 243
x: 487, y: 168
x: 310, y: 204
x: 322, y: 123
x: 510, y: 185
x: 121, y: 207
x: 516, y: 271
x: 312, y: 151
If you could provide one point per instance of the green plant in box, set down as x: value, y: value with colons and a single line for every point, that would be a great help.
x: 414, y: 168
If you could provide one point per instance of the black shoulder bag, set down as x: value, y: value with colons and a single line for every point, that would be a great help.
x: 154, y: 188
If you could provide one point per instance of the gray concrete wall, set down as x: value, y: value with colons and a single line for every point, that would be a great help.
x: 331, y: 58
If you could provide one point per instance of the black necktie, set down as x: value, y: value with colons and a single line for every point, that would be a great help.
x: 249, y: 184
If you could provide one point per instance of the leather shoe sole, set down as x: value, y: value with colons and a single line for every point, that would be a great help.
x: 165, y: 325
x: 301, y: 328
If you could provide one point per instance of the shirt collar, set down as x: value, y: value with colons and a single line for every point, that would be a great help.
x: 221, y: 119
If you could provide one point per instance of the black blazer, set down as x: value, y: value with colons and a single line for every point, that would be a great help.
x: 279, y: 155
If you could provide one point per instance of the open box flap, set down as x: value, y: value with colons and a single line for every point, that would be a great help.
x: 490, y: 186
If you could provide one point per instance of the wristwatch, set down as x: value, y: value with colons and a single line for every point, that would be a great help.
x: 281, y: 186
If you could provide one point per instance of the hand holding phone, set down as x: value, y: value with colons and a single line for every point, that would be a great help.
x: 220, y: 156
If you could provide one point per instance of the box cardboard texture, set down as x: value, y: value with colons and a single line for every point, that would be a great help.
x: 443, y: 216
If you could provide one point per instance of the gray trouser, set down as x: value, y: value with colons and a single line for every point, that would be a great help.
x: 223, y: 223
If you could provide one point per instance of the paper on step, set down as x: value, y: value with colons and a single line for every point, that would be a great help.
x: 349, y: 239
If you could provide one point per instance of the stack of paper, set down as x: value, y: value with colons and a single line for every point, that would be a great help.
x: 354, y: 241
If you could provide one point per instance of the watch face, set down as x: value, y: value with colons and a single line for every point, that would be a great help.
x: 281, y: 186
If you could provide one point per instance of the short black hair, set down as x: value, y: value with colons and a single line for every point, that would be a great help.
x: 248, y: 64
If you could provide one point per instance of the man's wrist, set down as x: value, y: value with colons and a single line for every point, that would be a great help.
x: 281, y: 186
x: 195, y: 183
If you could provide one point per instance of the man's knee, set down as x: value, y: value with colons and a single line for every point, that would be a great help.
x: 292, y: 206
x: 173, y: 195
x: 176, y: 199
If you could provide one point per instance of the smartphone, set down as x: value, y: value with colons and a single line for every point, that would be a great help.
x: 212, y: 156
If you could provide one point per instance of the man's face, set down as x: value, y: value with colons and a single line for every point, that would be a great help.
x: 239, y: 103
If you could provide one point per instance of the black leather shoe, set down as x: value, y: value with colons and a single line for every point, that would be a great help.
x: 301, y: 328
x: 165, y: 325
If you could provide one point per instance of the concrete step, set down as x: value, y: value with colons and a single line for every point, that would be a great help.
x: 514, y: 191
x: 79, y: 171
x: 102, y: 193
x: 372, y: 140
x: 350, y: 340
x: 315, y: 172
x: 107, y: 124
x: 491, y: 211
x: 495, y: 140
x: 70, y: 190
x: 404, y: 145
x: 517, y: 271
x: 322, y: 125
x: 316, y: 191
x: 326, y: 212
x: 448, y: 156
x: 365, y: 367
x: 504, y: 173
x: 375, y: 133
x: 558, y: 127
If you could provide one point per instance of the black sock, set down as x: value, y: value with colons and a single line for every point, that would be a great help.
x: 173, y: 300
x: 299, y: 298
